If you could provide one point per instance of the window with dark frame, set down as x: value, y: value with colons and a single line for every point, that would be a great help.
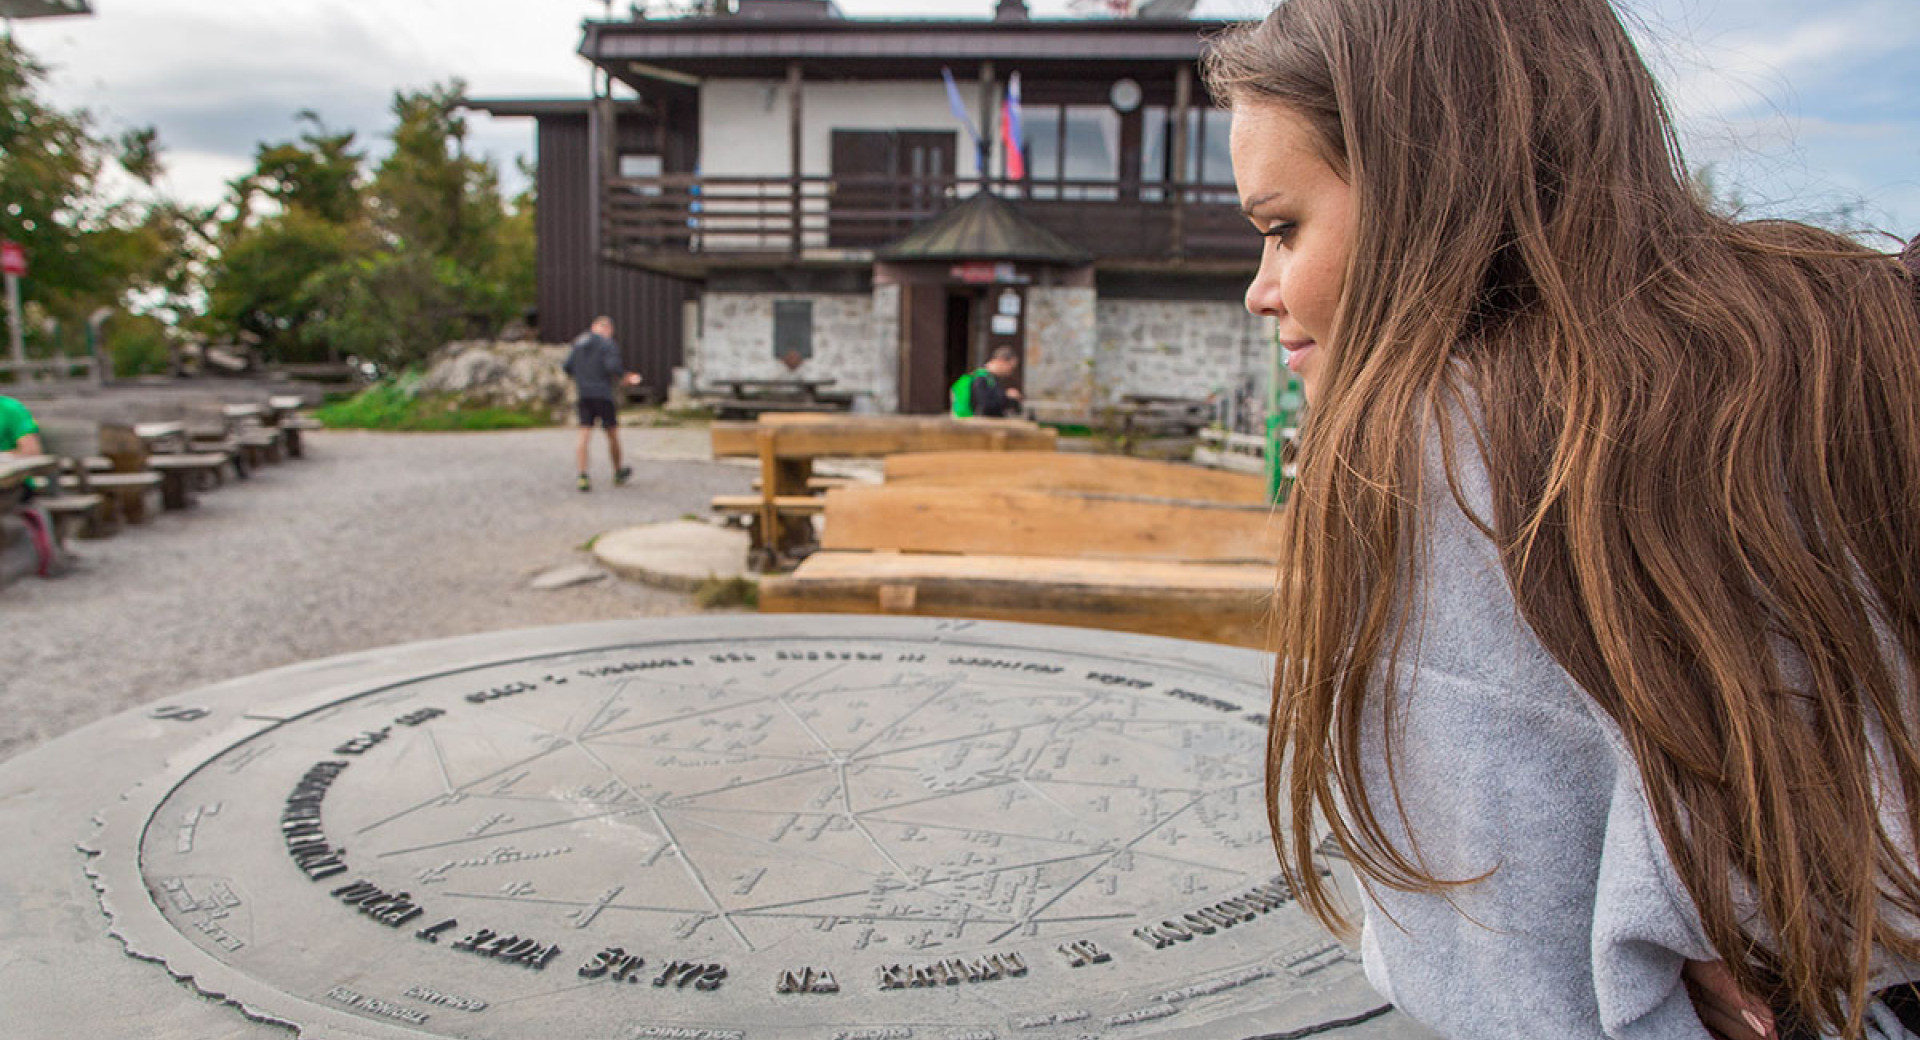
x: 792, y: 329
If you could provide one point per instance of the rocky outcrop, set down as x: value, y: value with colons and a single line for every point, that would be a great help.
x: 484, y: 374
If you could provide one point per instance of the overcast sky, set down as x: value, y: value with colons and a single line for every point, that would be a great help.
x: 1802, y: 106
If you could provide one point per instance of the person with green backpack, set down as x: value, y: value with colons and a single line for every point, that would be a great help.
x: 985, y: 391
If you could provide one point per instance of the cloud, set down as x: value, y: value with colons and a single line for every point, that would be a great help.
x: 219, y: 76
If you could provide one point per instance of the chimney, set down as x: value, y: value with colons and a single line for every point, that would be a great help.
x: 1011, y: 11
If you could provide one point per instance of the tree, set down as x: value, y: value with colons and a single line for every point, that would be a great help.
x: 297, y: 215
x: 86, y: 250
x: 316, y: 259
x: 452, y: 261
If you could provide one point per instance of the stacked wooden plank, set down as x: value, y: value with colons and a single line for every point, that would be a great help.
x: 1095, y: 541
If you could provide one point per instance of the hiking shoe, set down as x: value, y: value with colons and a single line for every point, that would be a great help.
x: 622, y: 475
x: 586, y: 483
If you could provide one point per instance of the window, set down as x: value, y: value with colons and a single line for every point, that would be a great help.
x: 792, y: 329
x: 635, y: 166
x: 1074, y: 143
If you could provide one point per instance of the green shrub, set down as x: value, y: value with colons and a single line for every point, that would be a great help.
x: 393, y: 405
x: 720, y: 593
x: 138, y: 346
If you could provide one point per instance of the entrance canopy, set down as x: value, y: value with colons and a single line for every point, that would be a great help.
x: 985, y: 227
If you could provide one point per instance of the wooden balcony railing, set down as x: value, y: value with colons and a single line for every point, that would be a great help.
x: 680, y: 218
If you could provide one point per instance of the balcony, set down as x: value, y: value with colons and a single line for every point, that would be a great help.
x: 690, y: 225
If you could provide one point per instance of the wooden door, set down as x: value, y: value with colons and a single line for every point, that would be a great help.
x: 924, y: 383
x: 886, y: 181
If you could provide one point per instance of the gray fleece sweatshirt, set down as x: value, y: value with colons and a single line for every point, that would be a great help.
x: 1504, y: 765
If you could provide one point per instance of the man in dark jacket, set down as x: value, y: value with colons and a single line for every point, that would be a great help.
x: 596, y: 368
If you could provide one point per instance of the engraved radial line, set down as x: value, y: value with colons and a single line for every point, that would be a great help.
x: 959, y: 737
x: 998, y: 782
x: 681, y: 798
x: 411, y: 809
x: 817, y: 738
x: 611, y: 772
x: 601, y: 711
x: 945, y: 689
x: 907, y: 876
x: 789, y: 691
x: 440, y: 759
x: 751, y: 911
x: 686, y: 817
x: 490, y: 835
x: 749, y: 755
x: 489, y: 897
x: 638, y: 726
x: 680, y: 853
x: 1062, y: 894
x: 874, y: 814
x: 1002, y: 869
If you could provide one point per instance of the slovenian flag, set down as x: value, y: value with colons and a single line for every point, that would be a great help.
x: 1010, y: 135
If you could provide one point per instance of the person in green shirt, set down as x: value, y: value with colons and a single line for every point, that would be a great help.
x: 984, y: 391
x: 19, y: 434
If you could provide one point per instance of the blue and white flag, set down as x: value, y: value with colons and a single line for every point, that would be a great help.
x: 960, y: 112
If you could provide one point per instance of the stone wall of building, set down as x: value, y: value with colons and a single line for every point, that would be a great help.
x: 1060, y: 344
x: 1170, y: 348
x: 736, y: 342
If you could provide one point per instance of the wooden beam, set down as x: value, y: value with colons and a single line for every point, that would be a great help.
x: 1019, y: 522
x: 854, y: 440
x: 794, y: 112
x: 739, y: 440
x: 1062, y: 471
x: 1218, y: 603
x: 1182, y: 105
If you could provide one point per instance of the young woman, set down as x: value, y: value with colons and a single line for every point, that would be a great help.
x: 1599, y: 630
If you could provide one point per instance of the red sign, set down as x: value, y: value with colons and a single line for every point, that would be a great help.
x: 13, y: 259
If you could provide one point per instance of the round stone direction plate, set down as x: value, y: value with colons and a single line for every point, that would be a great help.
x: 757, y: 828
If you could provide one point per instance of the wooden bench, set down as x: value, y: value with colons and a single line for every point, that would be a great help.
x: 125, y: 493
x: 1060, y: 471
x: 72, y: 514
x: 181, y: 473
x: 283, y: 415
x: 786, y: 446
x: 1192, y: 569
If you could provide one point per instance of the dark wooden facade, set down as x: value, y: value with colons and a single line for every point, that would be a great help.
x: 574, y: 281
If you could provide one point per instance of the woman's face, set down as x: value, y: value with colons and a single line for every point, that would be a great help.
x: 1305, y: 209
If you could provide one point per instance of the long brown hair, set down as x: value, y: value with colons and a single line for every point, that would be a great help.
x: 1703, y: 443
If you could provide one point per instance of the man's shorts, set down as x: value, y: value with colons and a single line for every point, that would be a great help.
x: 598, y: 411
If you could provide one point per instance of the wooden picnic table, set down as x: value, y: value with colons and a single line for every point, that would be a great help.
x: 809, y: 388
x: 15, y: 469
x: 786, y: 446
x: 748, y: 398
x: 159, y: 436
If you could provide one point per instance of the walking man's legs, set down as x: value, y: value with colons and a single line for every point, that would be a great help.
x: 620, y: 470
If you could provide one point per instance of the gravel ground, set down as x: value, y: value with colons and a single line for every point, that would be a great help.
x: 372, y: 539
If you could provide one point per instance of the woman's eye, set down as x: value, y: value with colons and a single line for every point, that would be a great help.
x: 1281, y: 232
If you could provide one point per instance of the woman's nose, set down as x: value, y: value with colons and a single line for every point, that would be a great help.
x: 1263, y: 294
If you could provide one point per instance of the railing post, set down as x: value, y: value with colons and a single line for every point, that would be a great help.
x: 793, y: 132
x: 1182, y: 105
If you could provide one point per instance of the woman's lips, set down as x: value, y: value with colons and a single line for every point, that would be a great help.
x: 1297, y: 352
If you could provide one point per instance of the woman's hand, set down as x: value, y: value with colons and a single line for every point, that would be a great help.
x: 1728, y: 1012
